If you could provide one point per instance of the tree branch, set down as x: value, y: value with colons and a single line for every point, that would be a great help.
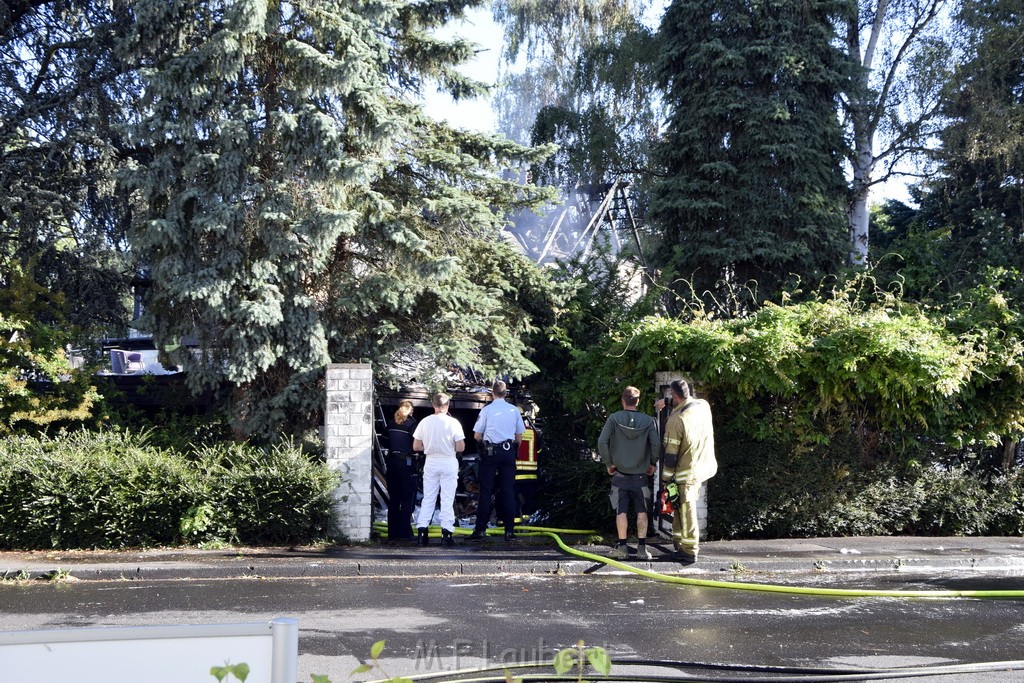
x: 48, y: 57
x: 890, y: 77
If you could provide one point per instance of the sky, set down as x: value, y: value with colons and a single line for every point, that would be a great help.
x: 478, y: 115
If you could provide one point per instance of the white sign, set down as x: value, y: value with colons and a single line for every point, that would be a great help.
x: 153, y: 654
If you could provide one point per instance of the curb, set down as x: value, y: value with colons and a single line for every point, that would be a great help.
x: 430, y: 563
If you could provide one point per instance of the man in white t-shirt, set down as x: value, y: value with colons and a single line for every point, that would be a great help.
x: 440, y: 437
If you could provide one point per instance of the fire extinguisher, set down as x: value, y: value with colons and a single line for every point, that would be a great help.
x: 665, y: 503
x: 669, y: 498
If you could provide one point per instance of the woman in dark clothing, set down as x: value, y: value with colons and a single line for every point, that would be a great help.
x: 401, y: 474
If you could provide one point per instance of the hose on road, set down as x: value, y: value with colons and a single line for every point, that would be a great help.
x: 556, y: 535
x: 746, y: 673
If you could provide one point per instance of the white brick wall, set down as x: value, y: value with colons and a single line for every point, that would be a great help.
x: 349, y: 438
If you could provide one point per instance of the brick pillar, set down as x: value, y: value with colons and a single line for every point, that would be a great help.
x: 661, y: 382
x: 348, y: 426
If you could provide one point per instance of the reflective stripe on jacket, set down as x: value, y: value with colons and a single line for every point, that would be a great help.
x: 526, y: 461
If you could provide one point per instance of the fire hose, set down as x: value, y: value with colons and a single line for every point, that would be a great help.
x: 555, y: 534
x: 747, y: 673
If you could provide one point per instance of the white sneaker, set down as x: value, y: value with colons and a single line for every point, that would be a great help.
x: 642, y: 553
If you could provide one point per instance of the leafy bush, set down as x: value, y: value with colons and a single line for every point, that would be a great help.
x: 573, y: 490
x: 954, y: 502
x: 870, y: 366
x: 271, y: 495
x: 768, y: 491
x: 91, y: 490
x: 1007, y: 508
x: 115, y: 489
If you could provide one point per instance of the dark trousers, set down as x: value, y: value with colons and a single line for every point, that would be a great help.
x: 497, y: 465
x: 401, y: 480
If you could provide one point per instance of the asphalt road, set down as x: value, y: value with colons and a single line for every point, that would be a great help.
x: 442, y: 623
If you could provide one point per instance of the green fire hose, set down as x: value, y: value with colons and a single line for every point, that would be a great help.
x: 555, y: 534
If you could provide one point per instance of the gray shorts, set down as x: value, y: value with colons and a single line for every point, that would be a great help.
x: 629, y: 487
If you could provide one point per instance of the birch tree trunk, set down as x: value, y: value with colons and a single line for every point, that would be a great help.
x: 883, y: 40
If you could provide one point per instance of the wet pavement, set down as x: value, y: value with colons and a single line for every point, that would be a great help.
x: 515, y: 604
x: 441, y: 624
x: 530, y: 555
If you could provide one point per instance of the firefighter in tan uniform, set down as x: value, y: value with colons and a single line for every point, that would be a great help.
x: 688, y: 462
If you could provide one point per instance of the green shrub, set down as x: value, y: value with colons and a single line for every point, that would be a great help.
x: 86, y: 490
x: 114, y: 489
x: 1007, y: 508
x: 851, y: 364
x: 271, y: 495
x: 954, y: 502
x: 777, y: 491
x: 573, y: 490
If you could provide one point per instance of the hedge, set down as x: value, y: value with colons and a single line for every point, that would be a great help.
x: 115, y: 490
x: 768, y: 491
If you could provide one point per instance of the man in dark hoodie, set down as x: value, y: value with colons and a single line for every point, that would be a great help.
x: 629, y: 448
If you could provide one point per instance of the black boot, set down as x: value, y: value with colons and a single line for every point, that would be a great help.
x: 447, y: 538
x: 423, y: 539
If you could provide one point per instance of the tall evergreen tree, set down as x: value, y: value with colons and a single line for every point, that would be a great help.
x: 63, y: 97
x: 300, y: 209
x: 980, y: 191
x: 969, y: 228
x: 753, y: 188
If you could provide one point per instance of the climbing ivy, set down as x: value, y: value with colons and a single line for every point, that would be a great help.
x: 856, y: 361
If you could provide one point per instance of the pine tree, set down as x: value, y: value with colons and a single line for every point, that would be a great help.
x: 979, y: 193
x: 969, y: 228
x: 754, y: 190
x: 300, y: 209
x: 63, y: 97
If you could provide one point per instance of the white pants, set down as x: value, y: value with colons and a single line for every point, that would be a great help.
x: 440, y: 473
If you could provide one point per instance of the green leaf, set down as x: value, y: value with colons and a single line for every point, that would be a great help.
x: 377, y: 648
x: 361, y: 669
x: 320, y: 678
x: 219, y: 672
x: 599, y: 659
x: 241, y: 671
x: 565, y: 660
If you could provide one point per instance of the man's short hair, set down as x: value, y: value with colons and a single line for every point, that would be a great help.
x: 631, y: 397
x: 499, y: 388
x: 440, y: 399
x: 680, y: 388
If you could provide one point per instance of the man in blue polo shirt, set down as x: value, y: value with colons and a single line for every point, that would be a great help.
x: 498, y: 430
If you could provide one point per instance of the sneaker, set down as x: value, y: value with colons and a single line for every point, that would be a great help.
x: 446, y: 538
x: 642, y: 553
x: 619, y: 552
x: 422, y: 537
x: 476, y: 536
x: 509, y: 536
